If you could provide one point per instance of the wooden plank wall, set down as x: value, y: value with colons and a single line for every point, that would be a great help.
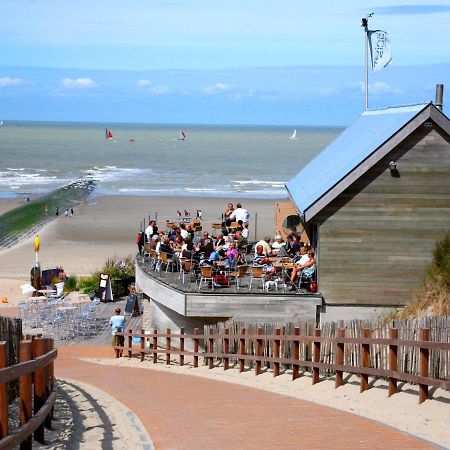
x: 377, y: 237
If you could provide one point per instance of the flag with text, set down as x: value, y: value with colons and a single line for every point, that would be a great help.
x: 380, y: 49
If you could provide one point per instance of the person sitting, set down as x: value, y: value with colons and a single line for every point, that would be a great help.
x: 190, y: 231
x: 277, y: 244
x: 220, y: 242
x: 226, y: 215
x: 166, y: 248
x: 189, y: 252
x: 245, y: 231
x: 261, y: 260
x: 241, y: 242
x: 265, y: 244
x: 239, y: 214
x: 305, y: 264
x: 184, y: 233
x: 231, y: 256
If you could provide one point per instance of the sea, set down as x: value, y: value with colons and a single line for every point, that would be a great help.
x: 150, y: 160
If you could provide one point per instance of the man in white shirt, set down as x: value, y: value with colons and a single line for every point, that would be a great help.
x: 240, y: 214
x: 149, y: 231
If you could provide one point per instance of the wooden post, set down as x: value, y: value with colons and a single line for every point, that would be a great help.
x: 3, y: 393
x: 423, y: 364
x: 130, y: 343
x: 196, y: 332
x: 39, y: 387
x: 211, y: 349
x: 116, y: 343
x: 226, y: 349
x: 242, y: 351
x: 47, y: 382
x: 181, y: 346
x: 142, y: 345
x: 276, y: 352
x: 365, y: 360
x: 393, y: 334
x: 296, y: 354
x: 155, y: 346
x: 339, y: 359
x: 168, y: 346
x: 259, y: 352
x: 25, y: 384
x: 316, y: 357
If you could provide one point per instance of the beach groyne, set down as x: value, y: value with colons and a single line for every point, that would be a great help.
x: 27, y: 219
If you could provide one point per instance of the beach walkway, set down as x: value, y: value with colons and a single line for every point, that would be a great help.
x: 185, y: 412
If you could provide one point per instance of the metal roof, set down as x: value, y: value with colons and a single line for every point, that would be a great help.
x: 351, y: 148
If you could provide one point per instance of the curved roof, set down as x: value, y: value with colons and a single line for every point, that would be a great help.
x: 356, y: 143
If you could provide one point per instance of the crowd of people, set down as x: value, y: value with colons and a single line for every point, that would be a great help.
x: 230, y: 246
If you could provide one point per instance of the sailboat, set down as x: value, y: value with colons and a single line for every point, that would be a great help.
x: 182, y: 136
x: 108, y: 134
x: 294, y: 135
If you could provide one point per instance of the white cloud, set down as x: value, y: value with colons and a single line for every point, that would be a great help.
x: 380, y: 88
x: 7, y: 81
x: 78, y: 83
x: 144, y: 83
x: 217, y: 88
x: 160, y: 89
x: 328, y: 91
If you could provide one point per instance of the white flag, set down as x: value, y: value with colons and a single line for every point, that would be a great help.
x: 380, y: 49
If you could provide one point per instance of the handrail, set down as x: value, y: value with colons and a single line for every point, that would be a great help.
x: 364, y: 342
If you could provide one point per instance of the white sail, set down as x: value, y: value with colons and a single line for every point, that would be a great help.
x: 294, y: 135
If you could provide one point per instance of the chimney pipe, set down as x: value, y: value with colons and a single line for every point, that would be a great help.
x: 439, y: 96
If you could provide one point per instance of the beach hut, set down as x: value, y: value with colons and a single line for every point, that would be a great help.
x: 374, y: 202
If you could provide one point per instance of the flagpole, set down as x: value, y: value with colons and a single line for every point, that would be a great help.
x: 365, y: 24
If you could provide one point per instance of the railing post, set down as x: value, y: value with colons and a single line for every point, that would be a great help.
x: 47, y: 382
x: 259, y: 345
x: 339, y: 358
x: 3, y: 394
x: 316, y: 357
x: 130, y: 343
x: 393, y: 334
x: 423, y: 364
x: 168, y: 346
x: 116, y: 344
x: 211, y: 349
x: 181, y: 346
x: 155, y: 346
x: 242, y: 351
x: 142, y: 345
x: 276, y: 352
x: 196, y: 333
x: 365, y: 360
x: 25, y: 384
x: 296, y: 354
x: 226, y: 349
x: 39, y: 387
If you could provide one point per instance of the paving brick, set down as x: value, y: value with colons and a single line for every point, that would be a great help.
x: 187, y: 412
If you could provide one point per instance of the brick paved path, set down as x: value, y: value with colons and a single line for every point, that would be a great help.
x: 187, y: 412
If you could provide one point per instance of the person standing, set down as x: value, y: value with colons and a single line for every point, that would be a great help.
x: 239, y: 214
x: 117, y: 323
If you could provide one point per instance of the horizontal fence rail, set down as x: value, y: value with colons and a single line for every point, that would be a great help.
x: 300, y: 352
x: 37, y: 391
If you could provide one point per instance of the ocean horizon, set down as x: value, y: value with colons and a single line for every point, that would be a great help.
x: 150, y: 159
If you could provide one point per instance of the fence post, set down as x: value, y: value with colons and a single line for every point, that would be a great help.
x: 276, y: 352
x: 39, y: 387
x: 365, y: 360
x: 116, y: 343
x: 130, y: 343
x: 316, y: 357
x: 25, y: 382
x: 47, y: 382
x: 259, y: 352
x: 226, y: 349
x: 142, y: 345
x: 196, y: 333
x: 423, y: 364
x: 296, y: 354
x: 210, y: 349
x: 3, y: 394
x: 339, y: 358
x: 181, y: 346
x: 155, y: 346
x: 168, y: 346
x: 393, y: 334
x: 242, y: 351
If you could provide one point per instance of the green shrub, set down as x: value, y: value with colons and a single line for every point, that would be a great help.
x: 89, y: 284
x: 71, y: 283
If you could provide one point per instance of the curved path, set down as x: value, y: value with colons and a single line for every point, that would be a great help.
x: 186, y: 412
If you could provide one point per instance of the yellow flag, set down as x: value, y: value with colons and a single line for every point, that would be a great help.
x: 36, y: 243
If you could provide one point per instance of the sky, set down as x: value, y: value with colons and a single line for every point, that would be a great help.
x: 281, y: 62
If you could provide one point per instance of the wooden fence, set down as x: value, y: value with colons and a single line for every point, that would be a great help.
x: 305, y: 353
x: 37, y: 389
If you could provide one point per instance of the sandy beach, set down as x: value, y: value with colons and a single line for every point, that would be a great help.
x: 107, y: 226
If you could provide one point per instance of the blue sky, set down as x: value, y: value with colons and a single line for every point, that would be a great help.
x: 235, y: 62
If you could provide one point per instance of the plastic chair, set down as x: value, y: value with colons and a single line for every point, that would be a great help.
x: 206, y: 277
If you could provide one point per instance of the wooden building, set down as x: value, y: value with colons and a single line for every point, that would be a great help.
x: 374, y: 203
